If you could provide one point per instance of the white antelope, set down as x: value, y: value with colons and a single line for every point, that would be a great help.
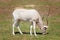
x: 30, y: 15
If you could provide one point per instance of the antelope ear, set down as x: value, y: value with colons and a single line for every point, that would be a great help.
x: 46, y: 26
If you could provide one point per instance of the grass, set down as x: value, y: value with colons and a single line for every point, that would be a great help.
x: 6, y: 22
x: 6, y: 30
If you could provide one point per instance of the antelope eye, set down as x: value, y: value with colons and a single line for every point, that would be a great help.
x: 45, y: 28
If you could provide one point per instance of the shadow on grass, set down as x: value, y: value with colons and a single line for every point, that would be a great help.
x: 28, y: 33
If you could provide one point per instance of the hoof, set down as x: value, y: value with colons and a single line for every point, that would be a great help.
x: 13, y: 33
x: 44, y: 33
x: 21, y: 33
x: 35, y: 34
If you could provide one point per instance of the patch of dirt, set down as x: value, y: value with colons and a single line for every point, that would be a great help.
x: 54, y: 10
x: 53, y: 0
x: 5, y: 0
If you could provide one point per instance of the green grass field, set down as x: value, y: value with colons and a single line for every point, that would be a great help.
x: 6, y: 9
x: 6, y: 30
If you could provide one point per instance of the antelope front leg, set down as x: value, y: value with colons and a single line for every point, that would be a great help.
x: 34, y: 27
